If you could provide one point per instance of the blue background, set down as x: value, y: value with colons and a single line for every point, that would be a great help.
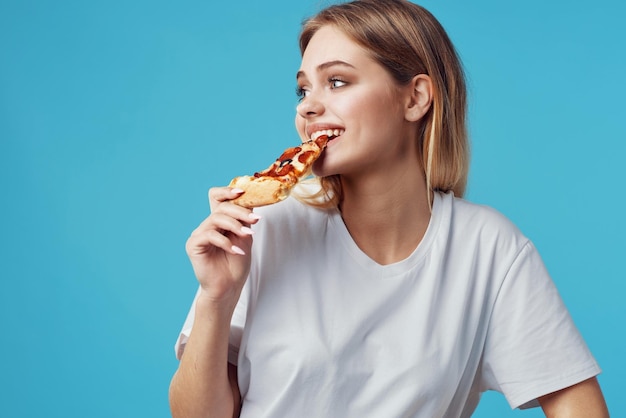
x: 117, y: 116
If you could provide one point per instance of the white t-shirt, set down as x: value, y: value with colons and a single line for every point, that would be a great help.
x: 322, y: 330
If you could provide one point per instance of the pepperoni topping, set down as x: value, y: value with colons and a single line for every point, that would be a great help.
x: 289, y: 154
x: 305, y: 156
x: 282, y: 171
x: 283, y: 166
x: 321, y: 141
x: 278, y: 169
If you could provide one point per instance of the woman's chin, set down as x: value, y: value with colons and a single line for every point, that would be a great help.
x: 317, y: 170
x: 320, y: 168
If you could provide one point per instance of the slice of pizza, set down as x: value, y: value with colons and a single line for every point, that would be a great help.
x: 275, y: 183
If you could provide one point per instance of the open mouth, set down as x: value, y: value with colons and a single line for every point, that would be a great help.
x: 330, y: 133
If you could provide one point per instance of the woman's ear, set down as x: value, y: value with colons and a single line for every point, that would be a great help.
x: 420, y: 90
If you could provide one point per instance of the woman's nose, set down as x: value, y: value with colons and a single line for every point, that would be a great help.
x: 310, y: 107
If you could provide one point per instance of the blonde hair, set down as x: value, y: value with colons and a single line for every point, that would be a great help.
x: 408, y: 40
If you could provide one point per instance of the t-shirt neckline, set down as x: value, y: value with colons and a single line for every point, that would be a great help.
x: 402, y: 266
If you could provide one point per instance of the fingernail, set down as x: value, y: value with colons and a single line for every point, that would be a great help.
x: 247, y: 230
x: 237, y: 250
x: 254, y: 216
x: 237, y: 190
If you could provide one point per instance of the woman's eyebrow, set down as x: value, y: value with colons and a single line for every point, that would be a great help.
x: 324, y: 66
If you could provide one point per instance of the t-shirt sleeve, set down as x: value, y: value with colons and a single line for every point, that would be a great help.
x: 183, y: 336
x: 236, y: 327
x: 532, y: 346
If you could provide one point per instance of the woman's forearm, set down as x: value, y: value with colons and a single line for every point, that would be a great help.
x: 200, y: 387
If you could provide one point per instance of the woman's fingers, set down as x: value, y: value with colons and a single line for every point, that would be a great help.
x: 222, y: 194
x: 219, y: 200
x: 224, y: 243
x: 217, y: 230
x: 231, y: 220
x: 227, y: 228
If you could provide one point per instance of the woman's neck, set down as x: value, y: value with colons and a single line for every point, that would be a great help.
x: 387, y: 216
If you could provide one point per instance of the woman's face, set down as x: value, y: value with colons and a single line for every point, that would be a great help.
x: 346, y: 93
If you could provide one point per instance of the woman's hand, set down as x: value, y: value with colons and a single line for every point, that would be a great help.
x: 219, y: 249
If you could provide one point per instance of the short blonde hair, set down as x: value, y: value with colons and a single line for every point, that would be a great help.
x: 408, y: 40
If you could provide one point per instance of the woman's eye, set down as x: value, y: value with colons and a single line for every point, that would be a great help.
x: 301, y: 92
x: 336, y: 83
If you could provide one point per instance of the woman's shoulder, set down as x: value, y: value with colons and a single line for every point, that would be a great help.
x: 482, y: 221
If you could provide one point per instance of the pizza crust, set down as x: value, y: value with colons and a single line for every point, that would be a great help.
x: 259, y: 191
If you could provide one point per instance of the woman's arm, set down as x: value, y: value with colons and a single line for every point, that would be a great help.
x: 205, y: 384
x: 584, y: 400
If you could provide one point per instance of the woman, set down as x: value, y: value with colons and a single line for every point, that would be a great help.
x: 381, y: 293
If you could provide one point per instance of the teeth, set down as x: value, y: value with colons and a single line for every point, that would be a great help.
x: 328, y: 132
